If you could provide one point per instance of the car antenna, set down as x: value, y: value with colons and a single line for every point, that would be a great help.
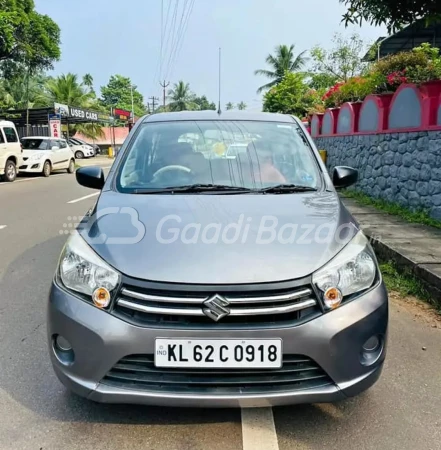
x: 219, y: 111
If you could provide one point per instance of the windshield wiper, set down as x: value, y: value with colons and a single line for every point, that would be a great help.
x: 286, y: 189
x: 196, y: 188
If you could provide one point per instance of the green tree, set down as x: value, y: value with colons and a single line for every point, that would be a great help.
x: 322, y: 81
x: 284, y: 60
x: 291, y: 96
x: 204, y: 104
x: 118, y: 93
x: 241, y: 106
x: 392, y: 13
x: 343, y: 61
x: 27, y: 37
x: 229, y: 106
x: 181, y: 97
x: 15, y: 91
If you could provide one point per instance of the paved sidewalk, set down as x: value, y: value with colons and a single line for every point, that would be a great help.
x: 417, y: 247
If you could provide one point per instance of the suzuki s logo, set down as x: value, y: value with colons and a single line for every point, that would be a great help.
x: 216, y: 307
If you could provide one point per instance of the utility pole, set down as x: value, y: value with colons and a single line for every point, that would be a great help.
x: 133, y: 107
x: 154, y: 100
x: 164, y: 85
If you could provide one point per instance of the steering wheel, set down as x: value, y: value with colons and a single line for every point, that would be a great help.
x: 167, y: 169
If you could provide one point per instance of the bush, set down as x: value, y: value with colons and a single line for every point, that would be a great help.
x: 354, y: 90
x: 399, y: 62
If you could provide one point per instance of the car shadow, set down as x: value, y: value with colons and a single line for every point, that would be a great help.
x: 26, y: 375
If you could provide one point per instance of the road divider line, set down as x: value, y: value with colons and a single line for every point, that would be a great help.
x: 83, y: 198
x: 258, y: 429
x: 2, y: 227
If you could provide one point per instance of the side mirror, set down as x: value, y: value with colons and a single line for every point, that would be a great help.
x: 55, y: 147
x: 91, y: 177
x: 344, y: 176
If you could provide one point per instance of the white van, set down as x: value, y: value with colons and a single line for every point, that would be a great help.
x: 10, y: 151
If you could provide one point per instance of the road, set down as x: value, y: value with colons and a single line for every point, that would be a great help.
x: 402, y: 411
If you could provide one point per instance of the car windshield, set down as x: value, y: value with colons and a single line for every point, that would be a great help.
x: 35, y: 144
x: 243, y: 154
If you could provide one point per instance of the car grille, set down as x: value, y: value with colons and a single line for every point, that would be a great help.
x: 139, y: 372
x: 184, y: 309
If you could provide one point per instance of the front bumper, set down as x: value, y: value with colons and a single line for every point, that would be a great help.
x: 333, y: 340
x: 32, y: 167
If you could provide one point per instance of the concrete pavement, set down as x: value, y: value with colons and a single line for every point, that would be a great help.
x: 402, y: 411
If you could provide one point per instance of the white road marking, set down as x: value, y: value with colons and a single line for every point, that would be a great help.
x: 83, y: 198
x: 258, y: 429
x: 33, y: 179
x: 2, y: 227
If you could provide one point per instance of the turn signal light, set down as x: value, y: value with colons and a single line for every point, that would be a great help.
x: 101, y: 297
x: 332, y: 298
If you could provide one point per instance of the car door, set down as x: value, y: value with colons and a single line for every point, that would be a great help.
x: 13, y: 146
x: 56, y: 154
x: 3, y: 149
x: 66, y: 154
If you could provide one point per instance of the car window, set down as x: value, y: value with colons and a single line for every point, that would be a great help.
x: 63, y: 144
x: 10, y: 134
x: 173, y: 154
x: 2, y: 139
x: 54, y: 143
x: 35, y: 144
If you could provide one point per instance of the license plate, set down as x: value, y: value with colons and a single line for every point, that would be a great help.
x: 219, y: 353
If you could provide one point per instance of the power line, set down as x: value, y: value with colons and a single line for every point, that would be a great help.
x: 159, y: 62
x: 176, y: 37
x: 171, y: 34
x: 182, y: 37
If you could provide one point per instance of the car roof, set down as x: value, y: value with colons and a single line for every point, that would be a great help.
x: 43, y: 137
x: 213, y: 115
x: 7, y: 123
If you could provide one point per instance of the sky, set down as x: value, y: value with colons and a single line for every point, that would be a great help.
x: 106, y: 37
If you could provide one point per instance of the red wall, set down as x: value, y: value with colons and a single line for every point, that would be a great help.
x: 411, y: 108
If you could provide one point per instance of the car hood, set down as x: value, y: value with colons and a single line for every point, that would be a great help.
x: 218, y: 239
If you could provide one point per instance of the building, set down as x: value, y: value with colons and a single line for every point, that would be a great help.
x: 406, y: 39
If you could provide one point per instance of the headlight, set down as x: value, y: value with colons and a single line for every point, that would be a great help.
x: 351, y: 271
x: 83, y: 271
x: 37, y: 156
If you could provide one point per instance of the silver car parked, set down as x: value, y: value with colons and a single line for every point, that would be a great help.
x: 207, y: 281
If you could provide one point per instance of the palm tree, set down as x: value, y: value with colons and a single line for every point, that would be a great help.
x: 14, y: 91
x: 66, y: 89
x: 181, y: 97
x: 88, y: 81
x: 229, y: 106
x: 241, y: 106
x: 282, y: 61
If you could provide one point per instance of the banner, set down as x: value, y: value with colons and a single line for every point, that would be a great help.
x: 55, y: 125
x: 80, y: 114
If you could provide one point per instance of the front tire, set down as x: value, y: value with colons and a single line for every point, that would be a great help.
x: 10, y: 171
x: 47, y: 169
x: 71, y: 168
x: 79, y: 155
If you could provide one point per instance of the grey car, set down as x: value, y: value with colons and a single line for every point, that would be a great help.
x: 206, y: 281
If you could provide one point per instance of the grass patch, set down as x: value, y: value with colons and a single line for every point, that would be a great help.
x: 420, y: 216
x: 405, y: 283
